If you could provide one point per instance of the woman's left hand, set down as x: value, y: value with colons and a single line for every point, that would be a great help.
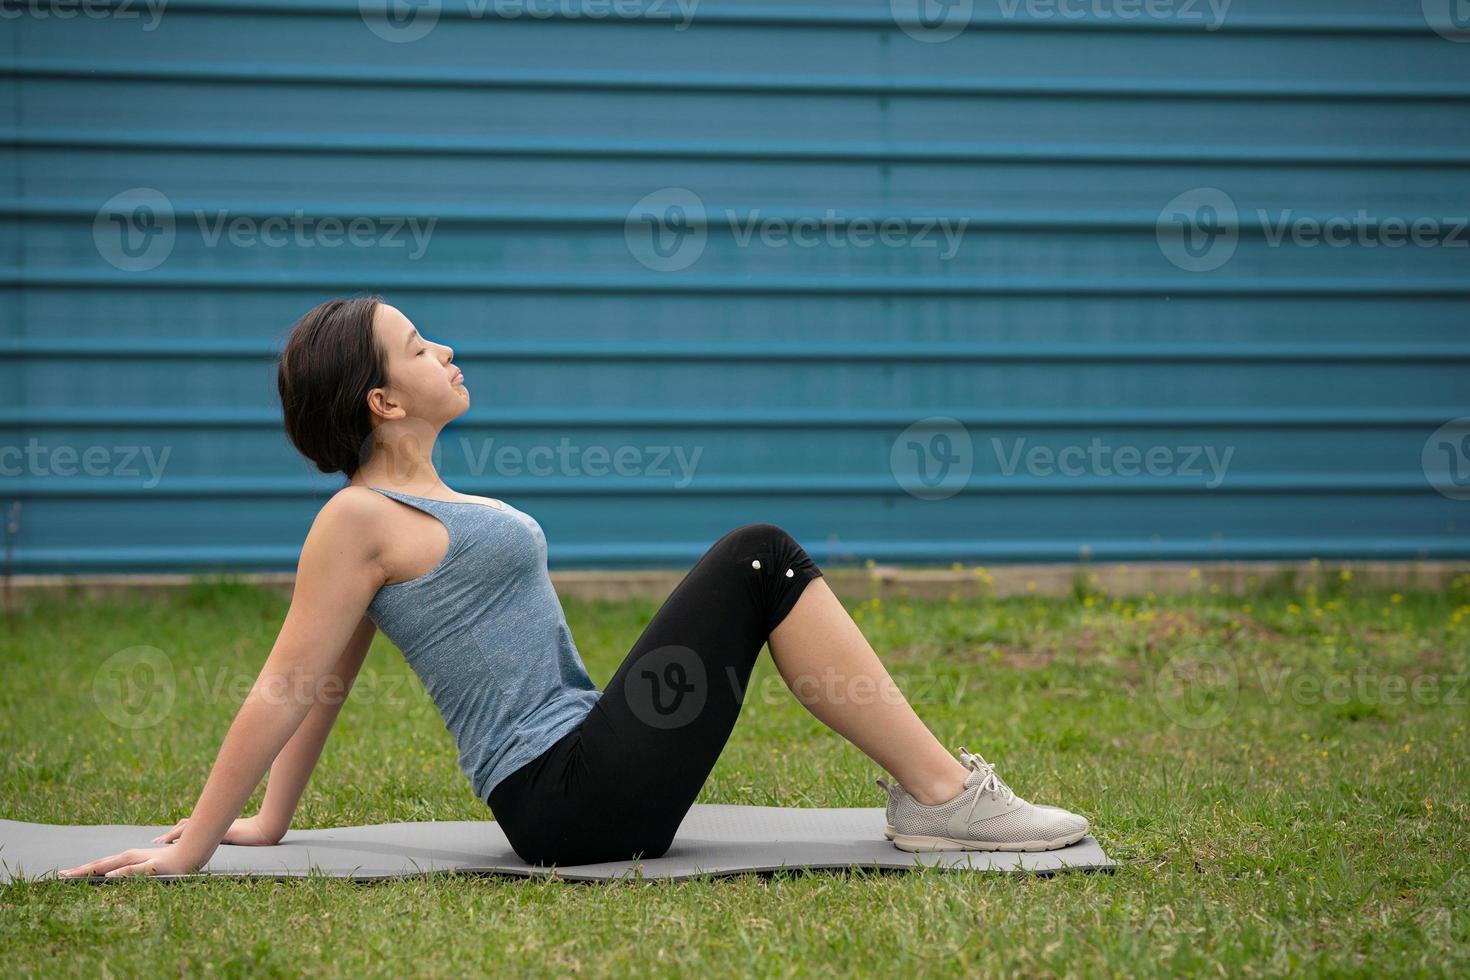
x: 171, y: 860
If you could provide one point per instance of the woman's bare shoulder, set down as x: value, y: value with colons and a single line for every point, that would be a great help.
x: 341, y: 565
x: 353, y: 514
x: 355, y: 499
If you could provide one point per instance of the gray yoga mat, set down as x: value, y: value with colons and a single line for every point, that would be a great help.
x: 716, y: 839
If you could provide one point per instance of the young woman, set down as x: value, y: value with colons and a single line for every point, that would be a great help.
x: 573, y: 775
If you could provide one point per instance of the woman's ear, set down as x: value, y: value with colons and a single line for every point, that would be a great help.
x: 382, y: 405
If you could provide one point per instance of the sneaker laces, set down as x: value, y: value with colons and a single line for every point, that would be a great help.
x: 992, y: 783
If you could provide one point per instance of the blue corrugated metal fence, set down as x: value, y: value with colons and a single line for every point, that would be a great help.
x: 1167, y: 280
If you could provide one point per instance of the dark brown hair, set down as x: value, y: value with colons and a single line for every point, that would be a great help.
x: 330, y: 361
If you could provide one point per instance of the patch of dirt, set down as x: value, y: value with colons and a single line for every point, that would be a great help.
x: 1171, y: 624
x: 1254, y: 627
x: 1086, y: 647
x: 1023, y: 658
x: 1431, y: 658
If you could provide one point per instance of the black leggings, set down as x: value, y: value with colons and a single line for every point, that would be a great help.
x: 617, y: 787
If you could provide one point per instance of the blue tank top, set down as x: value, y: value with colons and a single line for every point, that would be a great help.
x: 485, y: 632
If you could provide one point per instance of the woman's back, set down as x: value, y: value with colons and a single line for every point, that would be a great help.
x: 485, y: 632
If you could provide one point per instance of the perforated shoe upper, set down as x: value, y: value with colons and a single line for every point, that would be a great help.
x: 987, y: 811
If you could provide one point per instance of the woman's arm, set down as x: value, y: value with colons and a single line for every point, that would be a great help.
x: 336, y: 578
x: 293, y: 767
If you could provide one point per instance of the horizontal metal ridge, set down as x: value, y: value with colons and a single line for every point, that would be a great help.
x: 615, y: 216
x: 231, y: 348
x: 411, y: 144
x: 835, y: 553
x: 213, y: 348
x: 605, y: 417
x: 777, y: 15
x: 938, y: 86
x: 170, y: 276
x: 185, y: 488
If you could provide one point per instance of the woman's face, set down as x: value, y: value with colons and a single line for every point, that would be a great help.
x: 422, y: 378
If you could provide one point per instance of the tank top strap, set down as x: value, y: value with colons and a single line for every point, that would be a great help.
x: 446, y: 514
x: 442, y: 509
x: 407, y: 498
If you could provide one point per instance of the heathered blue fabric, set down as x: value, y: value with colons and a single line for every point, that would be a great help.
x: 486, y: 634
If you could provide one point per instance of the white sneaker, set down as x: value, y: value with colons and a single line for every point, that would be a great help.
x: 986, y: 816
x: 895, y: 790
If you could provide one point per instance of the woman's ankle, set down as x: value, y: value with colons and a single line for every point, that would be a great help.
x: 939, y: 791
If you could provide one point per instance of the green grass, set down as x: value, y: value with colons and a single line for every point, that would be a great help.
x: 1277, y: 802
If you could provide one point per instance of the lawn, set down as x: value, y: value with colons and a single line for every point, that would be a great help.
x: 1282, y: 777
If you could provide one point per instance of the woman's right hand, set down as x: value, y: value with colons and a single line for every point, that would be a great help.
x: 246, y: 830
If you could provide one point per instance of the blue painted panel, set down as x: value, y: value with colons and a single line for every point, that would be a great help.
x: 1287, y: 385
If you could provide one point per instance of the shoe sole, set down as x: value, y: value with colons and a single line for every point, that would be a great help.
x: 888, y: 831
x: 923, y: 843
